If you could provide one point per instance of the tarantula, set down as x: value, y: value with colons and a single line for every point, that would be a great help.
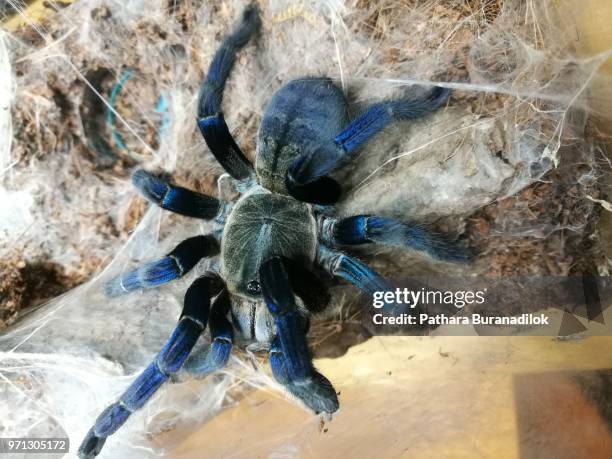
x: 271, y: 238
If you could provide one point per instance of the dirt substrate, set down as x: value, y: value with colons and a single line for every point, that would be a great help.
x: 24, y: 285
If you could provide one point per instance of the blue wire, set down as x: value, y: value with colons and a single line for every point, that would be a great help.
x: 160, y: 108
x: 110, y: 115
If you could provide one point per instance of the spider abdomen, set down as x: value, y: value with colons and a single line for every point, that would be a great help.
x: 302, y: 116
x: 260, y: 226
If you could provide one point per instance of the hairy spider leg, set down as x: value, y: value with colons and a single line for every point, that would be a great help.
x: 316, y: 391
x: 222, y: 338
x: 363, y: 229
x: 175, y: 351
x: 348, y: 268
x: 175, y: 198
x: 309, y: 171
x: 210, y: 116
x: 289, y: 355
x: 365, y: 279
x: 379, y: 115
x: 174, y: 265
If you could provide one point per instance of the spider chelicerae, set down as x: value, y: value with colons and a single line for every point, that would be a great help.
x: 272, y: 238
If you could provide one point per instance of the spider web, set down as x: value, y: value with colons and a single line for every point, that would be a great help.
x: 519, y: 101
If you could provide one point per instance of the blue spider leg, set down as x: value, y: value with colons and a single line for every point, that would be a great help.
x: 316, y: 392
x: 365, y: 279
x: 176, y: 264
x: 363, y: 229
x: 175, y: 351
x: 210, y: 116
x: 348, y: 268
x: 175, y: 198
x: 289, y: 355
x: 307, y: 177
x: 379, y: 115
x: 222, y: 337
x: 306, y: 180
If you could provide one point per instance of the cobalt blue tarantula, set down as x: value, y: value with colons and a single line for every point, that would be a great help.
x: 271, y: 238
